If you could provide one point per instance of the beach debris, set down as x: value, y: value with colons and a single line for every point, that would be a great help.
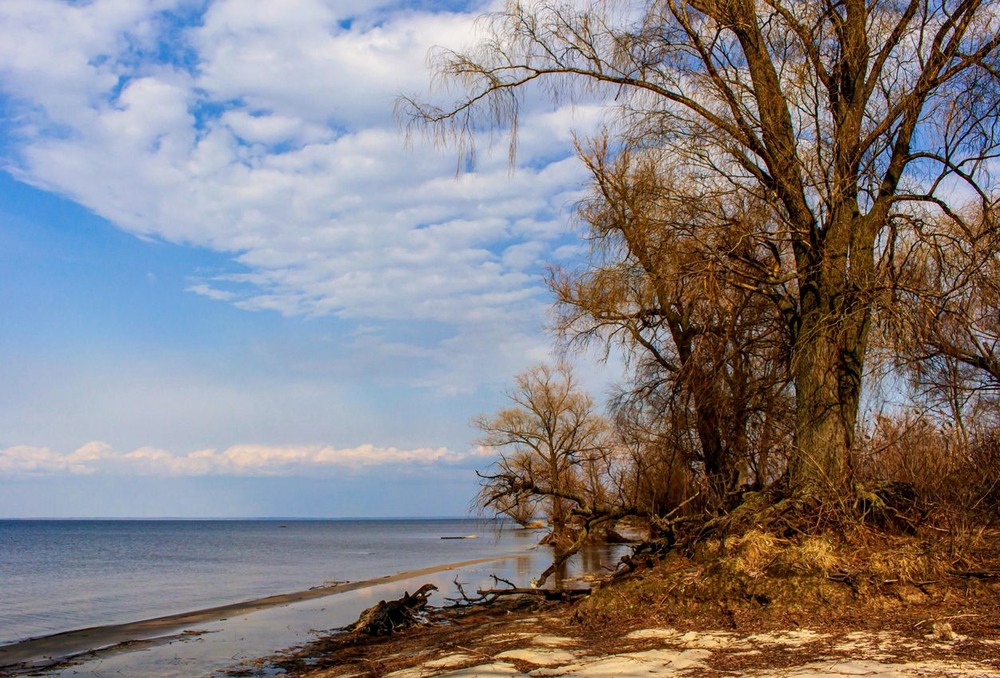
x: 385, y: 617
x: 504, y: 587
x: 548, y: 594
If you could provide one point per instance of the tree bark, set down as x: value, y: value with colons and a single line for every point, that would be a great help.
x: 827, y: 367
x: 823, y: 432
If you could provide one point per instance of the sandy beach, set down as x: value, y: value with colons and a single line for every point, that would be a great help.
x: 529, y: 636
x: 533, y: 637
x: 549, y: 639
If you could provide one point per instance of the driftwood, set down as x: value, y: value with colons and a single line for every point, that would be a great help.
x: 548, y: 594
x: 486, y: 596
x: 385, y: 617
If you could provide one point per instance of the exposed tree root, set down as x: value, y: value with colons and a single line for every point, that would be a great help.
x: 385, y: 617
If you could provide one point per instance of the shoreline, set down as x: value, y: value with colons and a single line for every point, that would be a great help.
x: 49, y: 650
x: 73, y: 574
x: 536, y: 638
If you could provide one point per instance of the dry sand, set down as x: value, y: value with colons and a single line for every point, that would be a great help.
x: 668, y: 652
x: 545, y: 643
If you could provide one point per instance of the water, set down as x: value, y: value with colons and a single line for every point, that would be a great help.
x: 63, y: 575
x: 58, y: 576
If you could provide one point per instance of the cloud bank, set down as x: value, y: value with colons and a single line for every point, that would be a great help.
x: 238, y: 460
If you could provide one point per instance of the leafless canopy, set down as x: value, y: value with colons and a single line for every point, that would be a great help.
x: 847, y: 121
x: 551, y: 444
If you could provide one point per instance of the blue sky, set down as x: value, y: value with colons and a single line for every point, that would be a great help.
x: 227, y: 288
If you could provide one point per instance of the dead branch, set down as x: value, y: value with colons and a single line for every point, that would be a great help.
x: 978, y: 574
x: 548, y: 594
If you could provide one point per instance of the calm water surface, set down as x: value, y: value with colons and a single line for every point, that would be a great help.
x: 63, y: 575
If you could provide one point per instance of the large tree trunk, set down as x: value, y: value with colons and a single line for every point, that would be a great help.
x: 720, y: 467
x: 824, y: 426
x: 827, y: 369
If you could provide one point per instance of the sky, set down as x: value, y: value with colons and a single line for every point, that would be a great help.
x: 228, y: 287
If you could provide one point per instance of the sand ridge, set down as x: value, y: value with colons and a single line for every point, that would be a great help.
x: 52, y: 649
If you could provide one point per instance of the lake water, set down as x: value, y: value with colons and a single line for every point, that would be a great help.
x: 63, y: 575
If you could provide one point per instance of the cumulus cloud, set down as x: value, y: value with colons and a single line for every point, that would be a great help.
x: 237, y: 460
x: 267, y: 133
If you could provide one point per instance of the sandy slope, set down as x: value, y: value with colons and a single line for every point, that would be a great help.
x: 548, y: 644
x: 674, y: 653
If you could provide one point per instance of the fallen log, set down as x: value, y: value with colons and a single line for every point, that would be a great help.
x: 549, y: 594
x: 385, y: 617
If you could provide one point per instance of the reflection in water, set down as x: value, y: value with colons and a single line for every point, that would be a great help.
x: 601, y: 558
x: 560, y: 575
x: 593, y: 560
x: 523, y: 565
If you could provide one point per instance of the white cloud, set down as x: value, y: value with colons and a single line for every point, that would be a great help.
x: 211, y: 293
x: 272, y: 129
x: 296, y: 58
x: 272, y: 140
x: 238, y: 460
x: 53, y: 54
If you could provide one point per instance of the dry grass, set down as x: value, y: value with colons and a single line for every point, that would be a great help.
x: 908, y: 561
x: 759, y: 575
x: 814, y: 556
x: 950, y: 481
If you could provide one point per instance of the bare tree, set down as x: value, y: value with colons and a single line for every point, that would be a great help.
x: 664, y: 279
x: 947, y: 325
x: 838, y: 116
x: 654, y: 475
x: 550, y: 441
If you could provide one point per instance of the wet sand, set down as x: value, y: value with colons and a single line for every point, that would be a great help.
x: 50, y: 650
